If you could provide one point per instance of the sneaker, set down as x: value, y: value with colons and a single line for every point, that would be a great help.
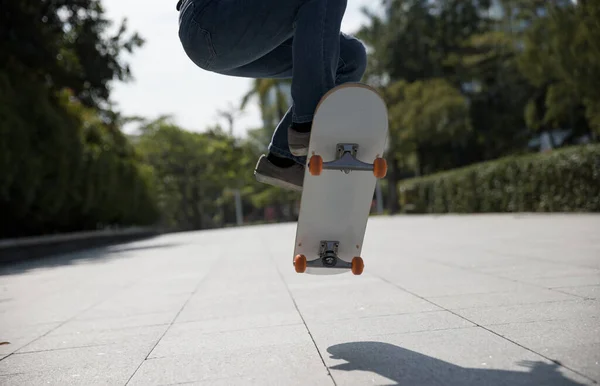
x: 288, y: 178
x: 298, y: 142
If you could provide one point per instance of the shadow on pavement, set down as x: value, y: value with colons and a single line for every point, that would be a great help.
x: 91, y: 255
x: 406, y: 367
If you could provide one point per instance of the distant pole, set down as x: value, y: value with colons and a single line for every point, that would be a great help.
x: 238, y: 207
x: 239, y: 217
x: 379, y: 198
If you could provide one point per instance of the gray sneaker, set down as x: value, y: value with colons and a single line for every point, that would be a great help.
x: 288, y: 178
x: 298, y: 142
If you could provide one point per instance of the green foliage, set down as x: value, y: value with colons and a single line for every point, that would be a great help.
x: 64, y: 164
x: 463, y: 84
x: 65, y: 44
x: 502, y: 71
x: 195, y: 175
x: 62, y: 168
x: 561, y: 58
x: 566, y: 180
x: 427, y: 112
x: 424, y: 115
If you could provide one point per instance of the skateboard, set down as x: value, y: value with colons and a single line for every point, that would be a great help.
x: 344, y: 161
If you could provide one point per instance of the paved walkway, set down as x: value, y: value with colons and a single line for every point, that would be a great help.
x: 456, y: 300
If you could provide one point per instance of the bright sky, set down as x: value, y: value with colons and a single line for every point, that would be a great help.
x: 167, y: 82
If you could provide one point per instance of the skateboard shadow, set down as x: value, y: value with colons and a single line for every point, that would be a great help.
x: 406, y: 367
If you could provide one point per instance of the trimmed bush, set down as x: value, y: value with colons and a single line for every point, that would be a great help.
x: 565, y: 180
x: 62, y: 169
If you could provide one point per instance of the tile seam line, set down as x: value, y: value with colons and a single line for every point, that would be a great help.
x: 271, y: 257
x: 200, y: 283
x: 519, y: 255
x: 490, y: 274
x: 60, y: 349
x: 493, y: 332
x: 72, y: 318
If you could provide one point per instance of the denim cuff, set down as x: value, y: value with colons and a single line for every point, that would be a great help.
x: 286, y: 154
x: 302, y: 118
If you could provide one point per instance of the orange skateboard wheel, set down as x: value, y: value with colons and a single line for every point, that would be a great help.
x: 358, y: 265
x: 315, y: 166
x: 380, y: 167
x: 300, y: 263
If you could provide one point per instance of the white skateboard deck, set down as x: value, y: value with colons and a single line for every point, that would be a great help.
x: 335, y: 205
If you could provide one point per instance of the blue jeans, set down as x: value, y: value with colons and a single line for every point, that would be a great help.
x: 298, y: 39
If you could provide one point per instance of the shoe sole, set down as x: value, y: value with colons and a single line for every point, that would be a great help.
x: 276, y: 182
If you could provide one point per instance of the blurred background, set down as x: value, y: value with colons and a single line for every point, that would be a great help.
x: 104, y: 122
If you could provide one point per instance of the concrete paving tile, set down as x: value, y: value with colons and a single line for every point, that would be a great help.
x: 536, y: 269
x: 214, y: 307
x: 253, y: 286
x: 18, y: 337
x: 66, y: 376
x: 271, y: 319
x: 88, y: 365
x: 127, y: 305
x: 53, y: 306
x: 358, y: 300
x: 475, y: 259
x: 554, y: 333
x: 588, y: 291
x: 378, y: 326
x: 561, y: 310
x: 566, y: 281
x: 294, y: 281
x: 526, y: 295
x: 115, y: 336
x: 467, y: 356
x: 293, y: 364
x: 435, y: 279
x: 84, y: 325
x: 239, y: 323
x: 258, y: 380
x: 583, y: 358
x: 194, y: 342
x: 574, y: 343
x: 39, y: 313
x: 577, y: 252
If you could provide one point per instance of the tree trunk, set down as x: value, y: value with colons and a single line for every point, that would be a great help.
x: 393, y: 177
x: 419, y: 155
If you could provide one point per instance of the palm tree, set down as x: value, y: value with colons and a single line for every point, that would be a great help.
x: 272, y: 109
x: 230, y: 114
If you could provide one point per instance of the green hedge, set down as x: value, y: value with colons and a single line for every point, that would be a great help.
x: 62, y: 169
x: 565, y: 180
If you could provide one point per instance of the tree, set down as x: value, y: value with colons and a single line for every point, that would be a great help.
x: 64, y: 43
x: 65, y: 165
x: 561, y: 59
x: 424, y: 117
x: 415, y: 45
x: 230, y: 114
x: 272, y: 100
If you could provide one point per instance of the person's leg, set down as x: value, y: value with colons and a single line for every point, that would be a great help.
x: 350, y: 68
x: 278, y: 64
x: 229, y: 34
x: 224, y: 36
x: 219, y: 36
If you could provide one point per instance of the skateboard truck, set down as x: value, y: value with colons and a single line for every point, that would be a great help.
x: 328, y: 255
x: 328, y: 258
x: 346, y: 161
